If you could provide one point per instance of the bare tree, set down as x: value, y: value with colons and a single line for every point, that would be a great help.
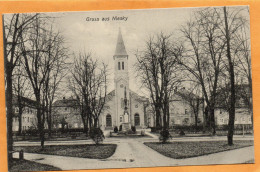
x: 21, y: 89
x: 99, y: 92
x: 89, y: 85
x: 158, y: 71
x: 203, y: 55
x: 58, y: 54
x: 13, y: 28
x: 230, y: 28
x: 39, y: 63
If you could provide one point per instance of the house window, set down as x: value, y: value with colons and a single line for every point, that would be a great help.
x: 136, y: 106
x: 220, y: 112
x: 121, y: 119
x: 186, y: 111
x: 123, y: 66
x: 28, y: 119
x: 249, y: 119
x: 118, y: 65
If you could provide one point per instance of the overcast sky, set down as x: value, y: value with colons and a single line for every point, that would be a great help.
x: 100, y: 37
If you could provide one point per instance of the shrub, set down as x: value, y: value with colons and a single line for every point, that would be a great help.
x: 130, y: 131
x: 133, y: 129
x: 115, y: 129
x: 96, y: 134
x: 164, y: 136
x: 181, y: 133
x: 155, y: 129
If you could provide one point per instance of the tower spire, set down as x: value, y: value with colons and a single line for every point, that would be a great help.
x: 120, y: 46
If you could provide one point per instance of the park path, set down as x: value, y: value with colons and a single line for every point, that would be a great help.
x: 133, y: 153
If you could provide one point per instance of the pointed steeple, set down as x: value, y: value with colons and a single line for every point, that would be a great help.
x: 120, y: 46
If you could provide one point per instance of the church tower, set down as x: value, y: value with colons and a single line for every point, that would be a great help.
x: 121, y: 80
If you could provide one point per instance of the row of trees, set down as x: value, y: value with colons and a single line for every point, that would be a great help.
x: 36, y: 63
x: 212, y: 52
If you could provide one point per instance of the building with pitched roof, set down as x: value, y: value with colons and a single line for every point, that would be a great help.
x: 28, y: 113
x: 122, y: 104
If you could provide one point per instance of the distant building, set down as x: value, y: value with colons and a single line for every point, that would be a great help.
x: 243, y: 110
x: 182, y: 106
x: 181, y: 110
x: 66, y: 114
x: 29, y: 118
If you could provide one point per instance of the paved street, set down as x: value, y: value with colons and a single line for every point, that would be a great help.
x: 133, y: 153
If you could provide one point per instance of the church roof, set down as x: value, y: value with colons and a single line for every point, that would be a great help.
x: 120, y: 46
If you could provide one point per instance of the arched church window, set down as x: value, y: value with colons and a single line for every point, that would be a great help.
x: 123, y: 65
x: 108, y: 120
x: 118, y: 65
x: 137, y: 120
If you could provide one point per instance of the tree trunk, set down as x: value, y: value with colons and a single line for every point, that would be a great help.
x: 232, y: 85
x: 95, y: 122
x: 9, y: 104
x: 157, y: 117
x: 9, y: 99
x: 212, y: 121
x: 49, y: 126
x: 40, y: 119
x: 20, y: 120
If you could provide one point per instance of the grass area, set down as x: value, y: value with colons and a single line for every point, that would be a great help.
x: 92, y: 151
x: 25, y: 165
x: 180, y: 150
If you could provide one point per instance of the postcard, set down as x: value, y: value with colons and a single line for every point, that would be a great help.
x: 128, y: 88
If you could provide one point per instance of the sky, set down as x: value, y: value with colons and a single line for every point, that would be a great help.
x: 100, y: 37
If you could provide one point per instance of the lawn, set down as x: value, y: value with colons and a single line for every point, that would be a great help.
x: 25, y: 165
x: 180, y: 150
x: 92, y: 151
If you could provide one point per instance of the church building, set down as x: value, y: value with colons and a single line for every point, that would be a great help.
x: 123, y: 106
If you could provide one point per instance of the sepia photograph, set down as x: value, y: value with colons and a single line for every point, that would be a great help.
x: 128, y: 88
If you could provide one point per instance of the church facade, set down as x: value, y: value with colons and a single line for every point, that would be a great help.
x: 123, y: 106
